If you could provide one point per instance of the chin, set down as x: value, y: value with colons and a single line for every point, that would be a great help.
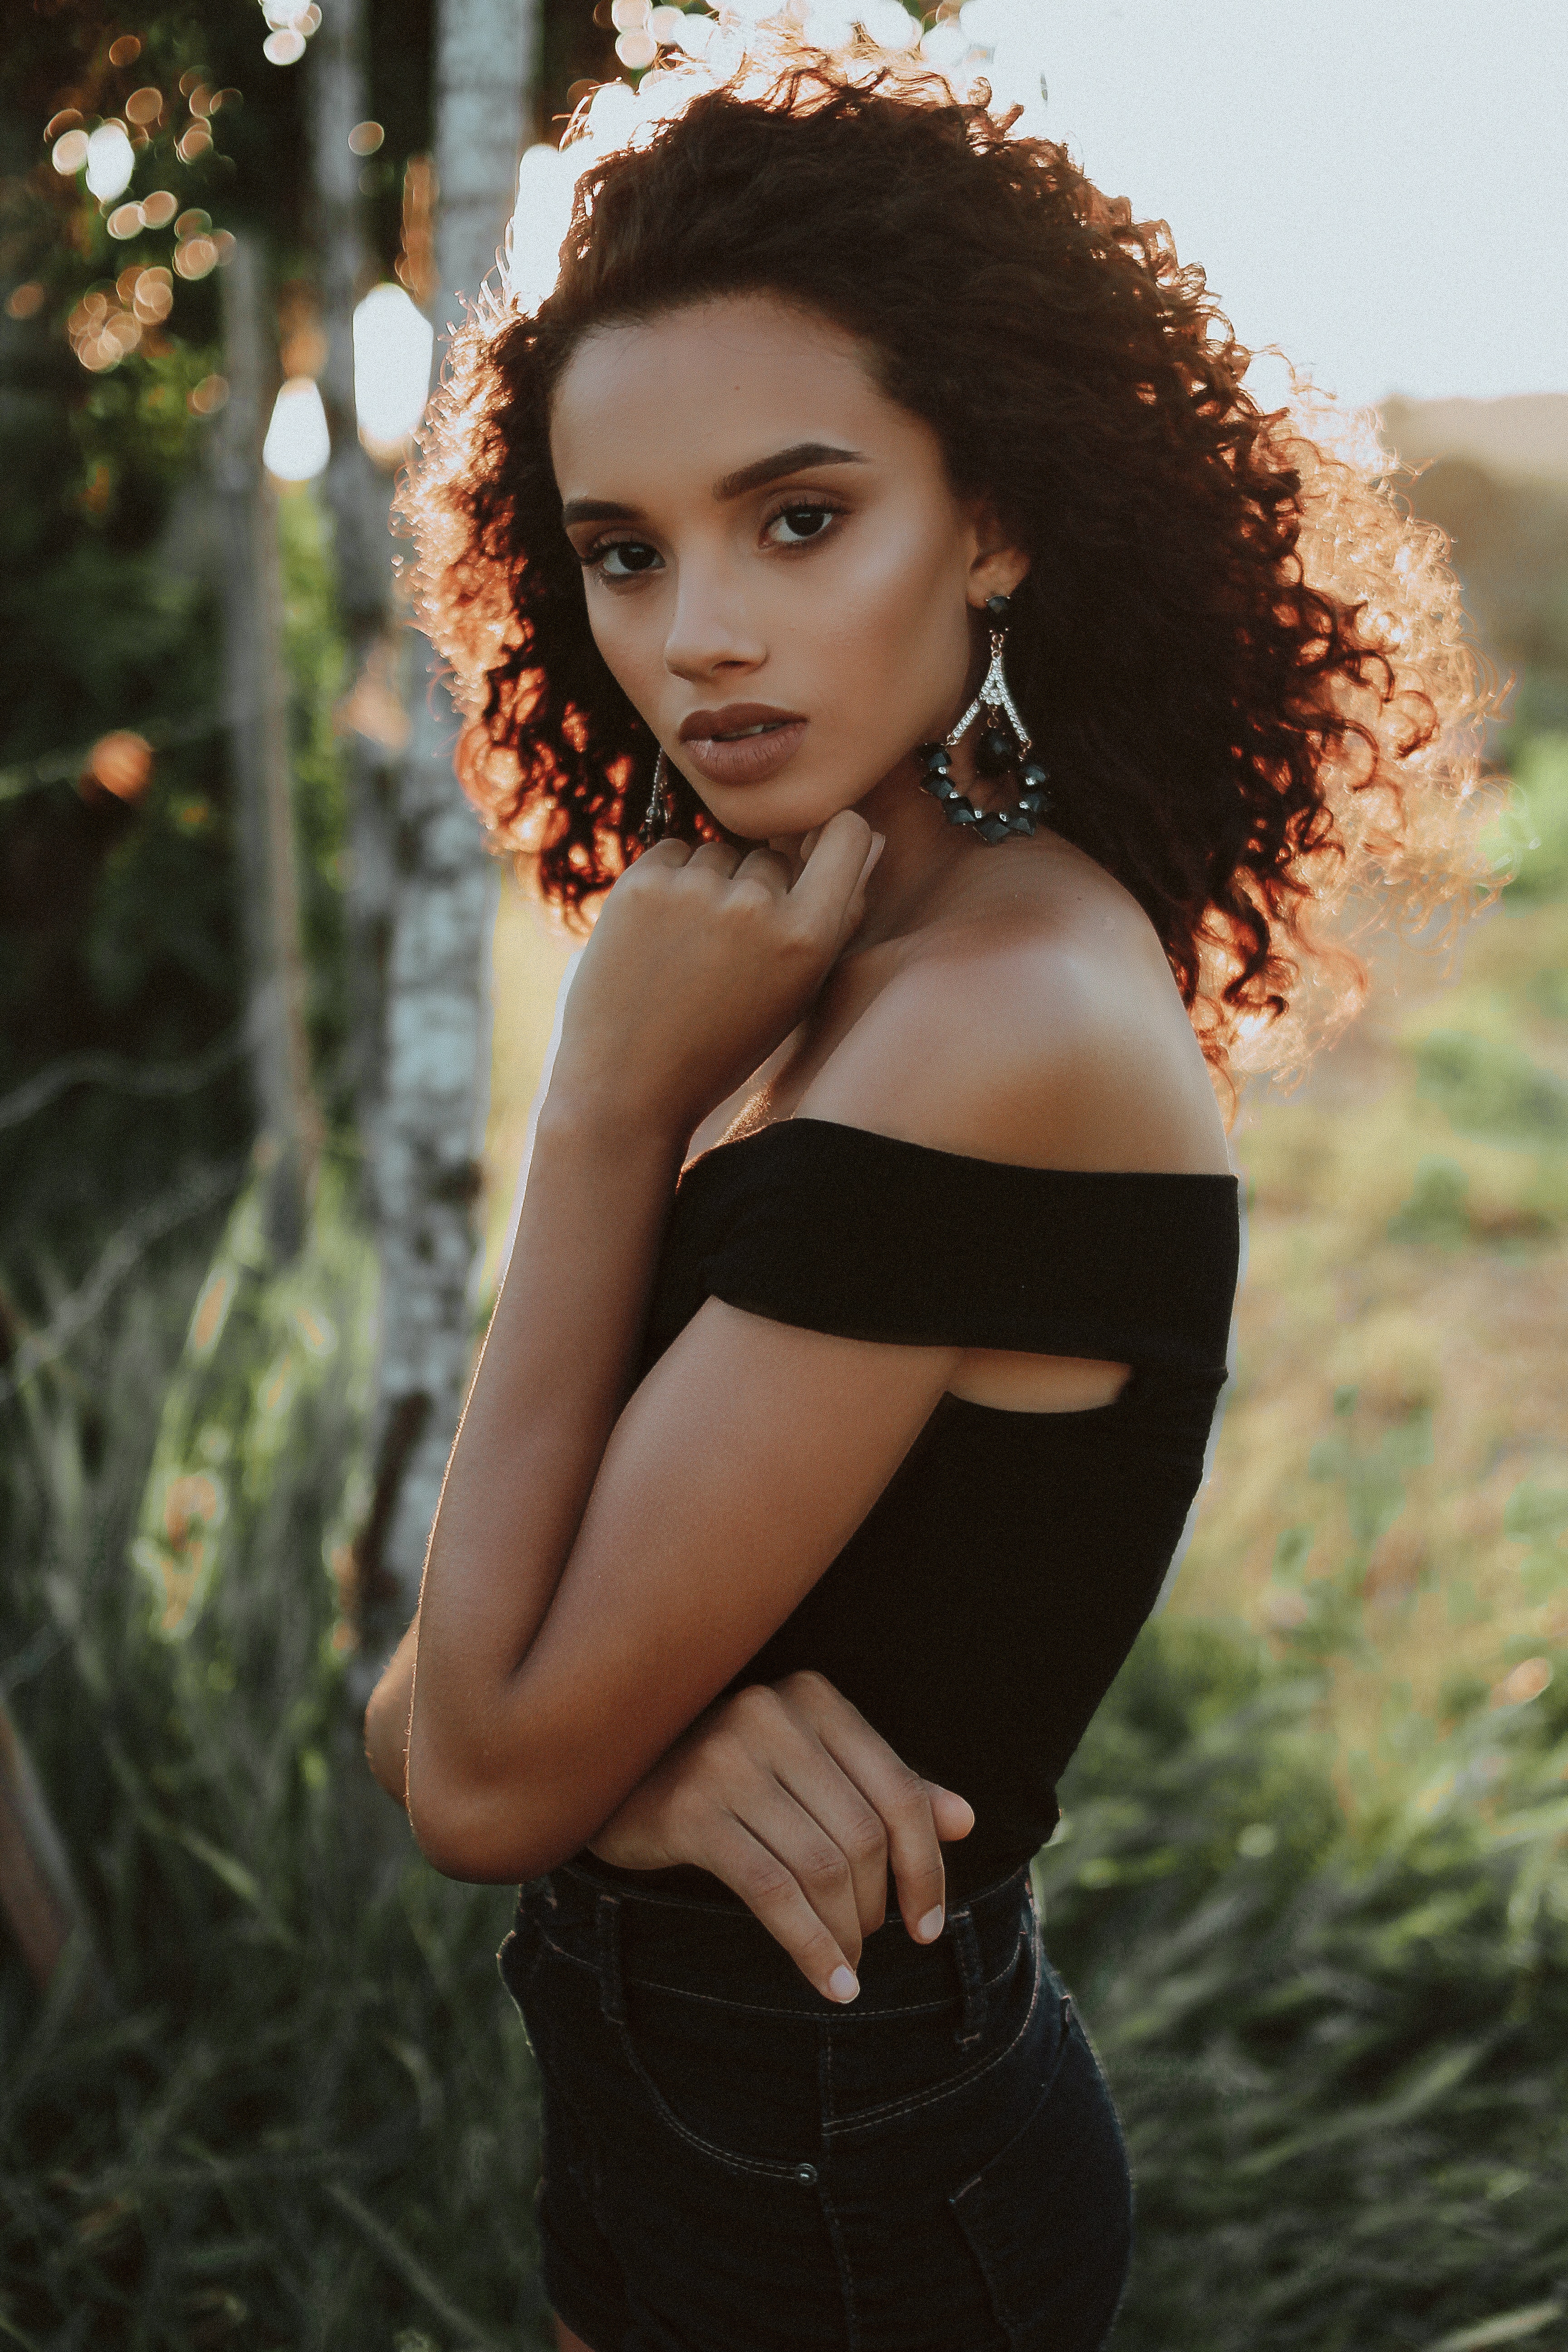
x: 770, y: 813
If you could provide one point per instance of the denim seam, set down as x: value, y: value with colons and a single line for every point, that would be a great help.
x: 846, y: 2018
x: 760, y: 2167
x: 899, y: 2107
x: 1046, y: 2089
x: 835, y: 2235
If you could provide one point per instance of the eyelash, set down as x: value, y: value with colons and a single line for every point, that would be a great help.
x: 594, y: 556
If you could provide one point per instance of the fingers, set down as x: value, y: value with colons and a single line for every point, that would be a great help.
x: 953, y: 1814
x: 771, y: 1890
x: 838, y: 863
x: 901, y: 1799
x: 856, y: 910
x: 824, y: 1790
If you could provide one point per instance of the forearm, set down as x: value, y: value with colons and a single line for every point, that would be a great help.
x: 551, y: 1383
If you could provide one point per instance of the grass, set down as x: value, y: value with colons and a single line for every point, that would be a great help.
x: 1399, y: 1393
x: 282, y: 2100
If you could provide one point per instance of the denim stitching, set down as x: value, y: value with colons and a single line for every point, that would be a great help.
x: 840, y: 2255
x: 759, y: 2166
x: 1046, y: 2089
x: 847, y: 2018
x: 966, y: 1952
x: 899, y: 2107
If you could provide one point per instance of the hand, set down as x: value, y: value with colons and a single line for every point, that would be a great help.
x: 787, y: 1795
x: 702, y: 961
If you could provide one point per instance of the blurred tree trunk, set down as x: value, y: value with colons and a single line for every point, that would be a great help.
x: 438, y: 1019
x: 357, y: 492
x: 256, y: 705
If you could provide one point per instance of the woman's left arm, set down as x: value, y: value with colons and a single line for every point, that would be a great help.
x: 599, y: 1571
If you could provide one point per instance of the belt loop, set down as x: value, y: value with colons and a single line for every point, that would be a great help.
x: 966, y: 1951
x: 612, y: 1998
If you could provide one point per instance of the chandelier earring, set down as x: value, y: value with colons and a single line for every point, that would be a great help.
x: 995, y: 753
x: 656, y: 822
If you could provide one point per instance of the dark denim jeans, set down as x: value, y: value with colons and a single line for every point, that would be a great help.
x: 732, y: 2164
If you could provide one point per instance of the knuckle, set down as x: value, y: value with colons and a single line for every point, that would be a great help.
x: 907, y: 1794
x: 867, y: 1839
x: 755, y: 1705
x: 768, y: 1885
x: 826, y: 1868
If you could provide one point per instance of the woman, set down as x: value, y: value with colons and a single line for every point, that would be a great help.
x: 876, y: 506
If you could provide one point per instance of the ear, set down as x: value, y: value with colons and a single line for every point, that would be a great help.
x: 997, y: 566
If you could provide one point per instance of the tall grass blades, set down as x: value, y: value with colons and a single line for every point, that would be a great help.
x: 1339, y: 2045
x: 301, y: 2114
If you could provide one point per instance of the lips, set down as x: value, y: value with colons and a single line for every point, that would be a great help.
x: 743, y: 743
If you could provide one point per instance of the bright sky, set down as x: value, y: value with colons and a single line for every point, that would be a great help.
x: 1380, y: 187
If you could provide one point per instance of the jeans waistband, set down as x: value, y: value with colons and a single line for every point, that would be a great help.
x: 716, y: 1952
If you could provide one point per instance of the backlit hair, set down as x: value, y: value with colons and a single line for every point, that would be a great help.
x: 1240, y: 656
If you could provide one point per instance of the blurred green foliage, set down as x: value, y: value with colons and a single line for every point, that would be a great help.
x: 282, y: 2099
x: 1341, y: 2048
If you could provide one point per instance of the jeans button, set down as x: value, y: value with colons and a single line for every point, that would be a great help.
x: 806, y: 2175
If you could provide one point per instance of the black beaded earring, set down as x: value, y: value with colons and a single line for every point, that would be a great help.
x: 655, y: 822
x: 994, y: 754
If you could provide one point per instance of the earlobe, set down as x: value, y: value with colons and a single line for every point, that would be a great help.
x: 996, y: 567
x: 996, y: 572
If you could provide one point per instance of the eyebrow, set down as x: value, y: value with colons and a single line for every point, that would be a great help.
x: 754, y: 476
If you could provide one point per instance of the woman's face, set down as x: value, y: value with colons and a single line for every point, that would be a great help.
x: 777, y: 571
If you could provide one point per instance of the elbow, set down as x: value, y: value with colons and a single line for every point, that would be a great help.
x: 385, y: 1748
x: 477, y: 1836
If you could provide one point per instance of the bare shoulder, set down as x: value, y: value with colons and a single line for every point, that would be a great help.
x: 1041, y: 1025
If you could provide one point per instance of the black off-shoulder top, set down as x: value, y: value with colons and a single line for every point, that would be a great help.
x: 980, y: 1613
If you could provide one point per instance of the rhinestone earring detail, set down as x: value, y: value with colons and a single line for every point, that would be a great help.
x: 656, y: 822
x: 994, y: 754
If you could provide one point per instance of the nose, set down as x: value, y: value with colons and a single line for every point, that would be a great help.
x: 711, y: 632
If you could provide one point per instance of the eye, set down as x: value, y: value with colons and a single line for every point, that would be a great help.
x: 794, y: 526
x: 622, y: 559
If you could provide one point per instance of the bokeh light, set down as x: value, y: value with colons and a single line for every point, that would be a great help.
x: 284, y: 48
x: 195, y: 257
x: 298, y: 443
x: 394, y: 343
x: 152, y: 296
x: 70, y: 152
x: 365, y: 138
x: 122, y: 763
x: 110, y: 159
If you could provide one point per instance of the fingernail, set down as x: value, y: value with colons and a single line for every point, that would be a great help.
x: 931, y: 1926
x: 843, y: 1984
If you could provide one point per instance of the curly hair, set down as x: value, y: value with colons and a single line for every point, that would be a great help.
x: 1240, y: 655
